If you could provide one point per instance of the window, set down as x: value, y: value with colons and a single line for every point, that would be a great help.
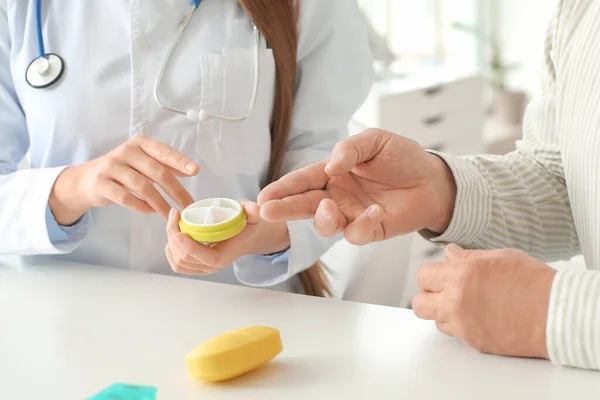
x: 409, y: 34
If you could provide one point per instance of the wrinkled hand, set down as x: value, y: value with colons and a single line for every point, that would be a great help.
x: 375, y: 186
x: 494, y: 301
x: 188, y: 257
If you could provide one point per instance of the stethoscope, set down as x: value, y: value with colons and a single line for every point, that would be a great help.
x: 47, y: 69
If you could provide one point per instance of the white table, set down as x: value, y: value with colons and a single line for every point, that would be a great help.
x: 68, y: 331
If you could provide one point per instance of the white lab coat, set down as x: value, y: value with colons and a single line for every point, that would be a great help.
x: 113, y: 51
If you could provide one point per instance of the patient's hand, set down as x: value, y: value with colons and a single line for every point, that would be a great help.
x: 375, y: 186
x: 495, y: 301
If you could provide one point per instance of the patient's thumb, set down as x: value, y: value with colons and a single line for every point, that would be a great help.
x: 455, y: 252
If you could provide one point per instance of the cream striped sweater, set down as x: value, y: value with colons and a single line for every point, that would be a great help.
x: 544, y: 198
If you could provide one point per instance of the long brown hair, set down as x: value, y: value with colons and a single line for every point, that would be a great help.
x: 278, y: 21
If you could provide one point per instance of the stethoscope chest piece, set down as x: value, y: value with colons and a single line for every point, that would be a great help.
x: 45, y: 71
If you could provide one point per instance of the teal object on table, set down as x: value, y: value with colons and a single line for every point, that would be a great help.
x: 122, y: 391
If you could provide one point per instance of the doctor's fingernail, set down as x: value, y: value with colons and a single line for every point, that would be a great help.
x: 190, y: 166
x: 374, y: 212
x: 180, y: 240
x: 172, y: 213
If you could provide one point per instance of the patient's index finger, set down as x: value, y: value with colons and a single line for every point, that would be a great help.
x: 312, y: 177
x: 293, y: 208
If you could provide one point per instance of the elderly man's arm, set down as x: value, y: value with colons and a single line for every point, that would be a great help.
x: 520, y: 201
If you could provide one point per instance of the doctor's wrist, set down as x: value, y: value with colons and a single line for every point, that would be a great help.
x: 277, y: 241
x: 66, y: 201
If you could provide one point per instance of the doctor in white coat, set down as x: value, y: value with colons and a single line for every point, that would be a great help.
x: 108, y: 161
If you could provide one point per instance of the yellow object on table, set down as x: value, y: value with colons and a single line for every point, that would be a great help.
x: 233, y: 354
x: 213, y: 220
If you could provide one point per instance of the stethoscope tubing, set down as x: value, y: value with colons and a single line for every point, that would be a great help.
x: 38, y: 26
x: 199, y: 115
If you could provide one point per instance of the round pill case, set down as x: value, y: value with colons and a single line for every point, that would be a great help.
x: 213, y: 220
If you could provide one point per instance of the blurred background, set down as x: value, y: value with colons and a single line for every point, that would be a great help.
x: 456, y: 76
x: 409, y: 36
x: 435, y: 43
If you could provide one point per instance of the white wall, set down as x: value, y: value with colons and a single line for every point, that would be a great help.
x: 523, y: 26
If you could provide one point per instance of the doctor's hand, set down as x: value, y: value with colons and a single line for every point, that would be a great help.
x: 375, y: 186
x: 125, y: 176
x: 494, y: 301
x: 259, y: 237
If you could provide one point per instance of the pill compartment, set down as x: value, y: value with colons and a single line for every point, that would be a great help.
x: 211, y: 212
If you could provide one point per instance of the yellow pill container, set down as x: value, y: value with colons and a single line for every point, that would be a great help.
x: 213, y: 220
